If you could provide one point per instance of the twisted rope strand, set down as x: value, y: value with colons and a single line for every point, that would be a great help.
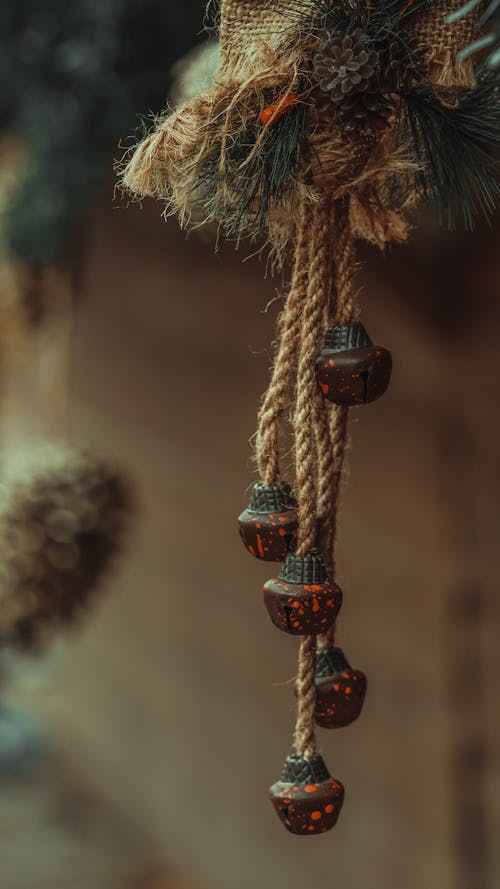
x: 275, y: 399
x: 345, y: 309
x: 305, y: 738
x: 320, y: 237
x: 332, y: 437
x: 332, y: 421
x: 337, y: 440
x: 310, y: 337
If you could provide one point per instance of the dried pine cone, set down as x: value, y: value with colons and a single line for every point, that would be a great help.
x: 345, y: 65
x: 360, y: 114
x: 363, y: 113
x: 62, y: 519
x: 398, y: 72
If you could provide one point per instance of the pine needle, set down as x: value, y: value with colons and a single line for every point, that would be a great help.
x: 259, y: 176
x: 458, y: 150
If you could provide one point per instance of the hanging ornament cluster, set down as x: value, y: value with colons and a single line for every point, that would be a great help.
x: 325, y: 122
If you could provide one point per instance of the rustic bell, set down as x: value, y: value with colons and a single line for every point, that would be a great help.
x: 306, y: 798
x: 301, y: 600
x: 351, y: 370
x: 268, y: 527
x: 340, y: 690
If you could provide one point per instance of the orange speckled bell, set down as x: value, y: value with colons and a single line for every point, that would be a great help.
x: 302, y: 601
x: 307, y: 799
x: 268, y: 527
x: 340, y: 690
x: 350, y: 369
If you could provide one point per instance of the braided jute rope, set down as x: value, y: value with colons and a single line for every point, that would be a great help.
x: 318, y: 292
x: 305, y: 735
x: 311, y: 331
x: 331, y: 436
x: 332, y: 421
x: 283, y: 374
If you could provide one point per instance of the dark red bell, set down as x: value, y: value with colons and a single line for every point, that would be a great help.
x: 340, y: 690
x: 350, y: 369
x: 302, y: 601
x: 306, y: 798
x: 268, y: 528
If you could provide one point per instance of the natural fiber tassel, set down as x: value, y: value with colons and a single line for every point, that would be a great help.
x: 321, y: 288
x: 284, y: 373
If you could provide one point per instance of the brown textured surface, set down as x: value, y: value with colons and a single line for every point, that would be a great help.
x: 438, y: 44
x: 58, y: 835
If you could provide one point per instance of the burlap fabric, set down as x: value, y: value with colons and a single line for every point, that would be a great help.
x: 439, y: 43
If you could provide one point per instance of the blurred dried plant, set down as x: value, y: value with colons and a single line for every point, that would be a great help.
x: 62, y: 521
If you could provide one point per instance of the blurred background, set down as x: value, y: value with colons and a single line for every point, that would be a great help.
x: 144, y: 744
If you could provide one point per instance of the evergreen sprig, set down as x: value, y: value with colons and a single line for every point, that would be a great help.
x: 258, y: 178
x: 457, y: 145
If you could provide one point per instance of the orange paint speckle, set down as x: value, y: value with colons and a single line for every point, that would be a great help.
x: 315, y: 816
x: 311, y: 788
x: 329, y: 809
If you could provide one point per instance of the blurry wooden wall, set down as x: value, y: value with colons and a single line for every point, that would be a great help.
x: 174, y: 702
